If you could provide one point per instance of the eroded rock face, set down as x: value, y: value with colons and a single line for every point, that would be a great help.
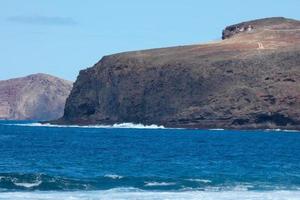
x: 275, y: 23
x: 34, y: 97
x: 248, y: 80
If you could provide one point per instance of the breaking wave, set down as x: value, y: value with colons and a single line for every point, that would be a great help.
x: 153, y: 184
x: 28, y: 185
x: 121, y: 125
x: 282, y: 130
x: 130, y: 193
x: 113, y: 176
x: 17, y: 186
x: 199, y: 180
x: 136, y: 126
x: 44, y: 182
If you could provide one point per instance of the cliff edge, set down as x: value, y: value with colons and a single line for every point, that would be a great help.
x: 248, y: 80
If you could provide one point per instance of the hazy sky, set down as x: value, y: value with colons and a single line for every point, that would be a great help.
x: 60, y: 37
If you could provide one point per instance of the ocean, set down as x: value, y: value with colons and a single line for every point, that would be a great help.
x: 44, y: 162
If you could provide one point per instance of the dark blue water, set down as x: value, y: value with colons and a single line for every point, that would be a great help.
x: 84, y: 159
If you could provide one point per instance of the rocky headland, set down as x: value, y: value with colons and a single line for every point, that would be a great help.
x: 34, y: 97
x: 248, y: 80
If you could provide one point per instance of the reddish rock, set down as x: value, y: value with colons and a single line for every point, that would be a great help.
x: 34, y: 97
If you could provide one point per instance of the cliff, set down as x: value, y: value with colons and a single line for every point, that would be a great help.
x: 248, y: 80
x: 34, y: 97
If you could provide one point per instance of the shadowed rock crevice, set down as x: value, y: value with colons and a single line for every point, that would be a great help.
x: 276, y: 118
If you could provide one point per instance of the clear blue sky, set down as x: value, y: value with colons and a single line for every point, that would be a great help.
x: 60, y: 37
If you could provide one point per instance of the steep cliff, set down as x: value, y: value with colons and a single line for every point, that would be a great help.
x: 34, y: 97
x: 248, y: 80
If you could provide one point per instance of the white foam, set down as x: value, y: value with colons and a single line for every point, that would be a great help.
x: 199, y: 180
x: 28, y: 185
x: 153, y: 184
x: 121, y: 125
x: 240, y: 187
x: 113, y: 176
x: 143, y: 195
x: 292, y: 131
x: 265, y: 130
x: 282, y: 130
x: 273, y: 130
x: 133, y: 126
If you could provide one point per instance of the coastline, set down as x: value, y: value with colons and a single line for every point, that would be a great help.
x: 153, y: 126
x: 204, y: 125
x: 118, y: 194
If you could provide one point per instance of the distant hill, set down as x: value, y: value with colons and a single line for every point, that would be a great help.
x: 34, y: 97
x: 250, y: 79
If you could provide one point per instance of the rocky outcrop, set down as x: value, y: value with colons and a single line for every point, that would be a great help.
x: 275, y: 23
x: 248, y: 80
x: 34, y: 97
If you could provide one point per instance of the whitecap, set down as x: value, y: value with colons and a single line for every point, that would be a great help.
x: 241, y: 187
x: 113, y: 176
x: 199, y: 180
x: 273, y: 130
x: 292, y: 131
x: 153, y: 184
x: 282, y: 130
x: 28, y: 185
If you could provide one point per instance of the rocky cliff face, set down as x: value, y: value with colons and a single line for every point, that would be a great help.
x: 34, y: 97
x: 248, y: 80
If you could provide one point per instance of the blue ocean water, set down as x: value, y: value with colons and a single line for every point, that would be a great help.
x: 45, y: 162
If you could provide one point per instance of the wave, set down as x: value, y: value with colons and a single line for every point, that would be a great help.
x: 154, y: 184
x: 199, y: 180
x: 123, y: 193
x: 121, y: 125
x: 282, y: 130
x: 251, y: 130
x: 29, y: 185
x: 43, y: 182
x: 20, y: 181
x: 135, y: 126
x: 113, y: 176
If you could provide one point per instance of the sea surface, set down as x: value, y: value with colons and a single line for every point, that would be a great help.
x: 146, y: 162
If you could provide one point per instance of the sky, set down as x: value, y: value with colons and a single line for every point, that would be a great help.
x: 61, y: 37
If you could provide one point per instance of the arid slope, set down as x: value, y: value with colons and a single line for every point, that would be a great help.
x: 34, y: 97
x: 250, y: 79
